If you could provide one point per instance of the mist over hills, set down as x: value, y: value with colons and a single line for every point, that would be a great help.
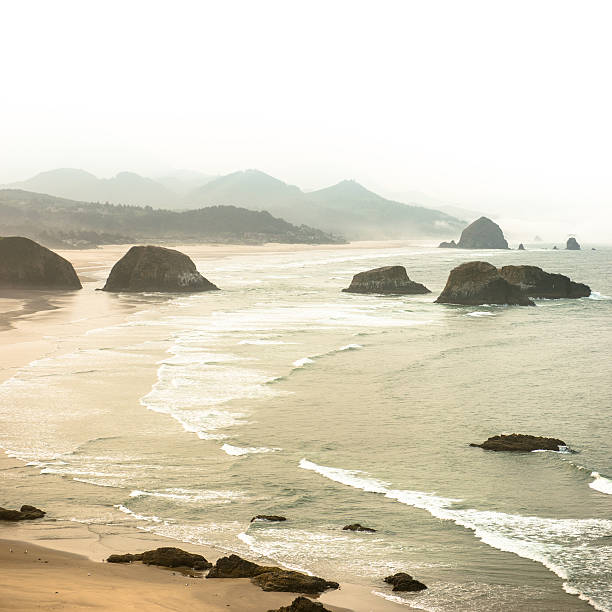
x: 346, y: 208
x: 63, y: 223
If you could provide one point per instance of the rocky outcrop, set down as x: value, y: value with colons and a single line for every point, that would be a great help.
x: 358, y: 527
x: 520, y: 443
x: 404, y: 582
x: 153, y: 268
x: 572, y: 244
x: 479, y: 282
x: 289, y: 581
x: 25, y: 264
x: 448, y: 245
x: 521, y: 247
x: 482, y: 234
x: 389, y: 280
x: 302, y: 604
x: 165, y: 557
x: 26, y: 513
x: 269, y: 578
x: 537, y: 283
x: 273, y: 518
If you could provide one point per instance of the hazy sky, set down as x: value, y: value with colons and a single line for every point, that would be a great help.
x: 492, y: 105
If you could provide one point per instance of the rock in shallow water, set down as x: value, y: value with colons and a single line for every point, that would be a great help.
x: 536, y: 283
x: 358, y: 527
x: 404, y: 582
x: 153, y: 268
x: 520, y: 443
x: 26, y: 513
x: 302, y: 604
x: 272, y: 518
x: 26, y: 264
x: 478, y: 282
x: 386, y: 280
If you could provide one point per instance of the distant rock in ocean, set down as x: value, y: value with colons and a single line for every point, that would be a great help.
x: 358, y: 527
x: 481, y: 234
x: 154, y: 268
x: 521, y: 247
x: 555, y: 248
x: 521, y: 443
x: 572, y: 244
x: 479, y: 282
x: 25, y: 264
x: 389, y: 279
x: 536, y: 283
x: 537, y: 239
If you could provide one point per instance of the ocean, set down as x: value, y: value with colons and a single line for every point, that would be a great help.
x: 282, y: 395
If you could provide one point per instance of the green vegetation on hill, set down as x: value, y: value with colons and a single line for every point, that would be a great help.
x: 65, y: 223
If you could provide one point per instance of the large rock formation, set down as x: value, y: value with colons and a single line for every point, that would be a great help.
x: 536, y: 283
x: 520, y: 443
x: 28, y: 265
x: 481, y: 234
x: 269, y: 578
x: 302, y: 604
x: 404, y: 582
x: 153, y: 268
x: 479, y: 282
x: 521, y: 247
x: 26, y: 513
x: 389, y: 279
x: 572, y: 244
x: 165, y: 557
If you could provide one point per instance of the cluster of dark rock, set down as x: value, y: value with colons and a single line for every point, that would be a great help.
x: 389, y: 279
x: 521, y: 443
x: 358, y: 527
x: 302, y: 604
x: 25, y: 513
x: 404, y: 582
x: 165, y: 557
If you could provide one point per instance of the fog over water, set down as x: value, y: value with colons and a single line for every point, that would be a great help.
x: 498, y: 107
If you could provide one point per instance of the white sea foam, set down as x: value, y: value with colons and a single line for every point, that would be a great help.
x: 595, y: 295
x: 189, y: 495
x: 238, y: 451
x: 394, y: 598
x: 480, y: 313
x: 100, y: 483
x: 601, y: 484
x: 139, y: 517
x: 300, y: 363
x: 264, y: 342
x: 561, y: 545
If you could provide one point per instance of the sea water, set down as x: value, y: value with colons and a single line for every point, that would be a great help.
x: 282, y: 395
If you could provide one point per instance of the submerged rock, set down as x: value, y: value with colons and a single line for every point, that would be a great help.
x: 273, y: 518
x: 389, y: 279
x: 25, y: 264
x: 289, y: 581
x: 269, y: 578
x: 26, y: 513
x: 165, y: 557
x: 521, y: 247
x: 520, y: 443
x: 448, y: 245
x: 482, y: 234
x: 404, y: 582
x: 358, y: 527
x: 572, y: 244
x: 302, y: 604
x: 537, y: 283
x: 153, y: 268
x: 479, y: 282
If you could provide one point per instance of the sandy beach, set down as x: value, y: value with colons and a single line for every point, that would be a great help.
x: 63, y: 567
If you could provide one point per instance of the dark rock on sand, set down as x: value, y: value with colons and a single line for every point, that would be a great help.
x: 153, y: 268
x: 520, y: 443
x: 25, y: 264
x: 269, y: 517
x: 302, y: 604
x: 358, y: 527
x: 389, y: 279
x: 536, y: 283
x: 482, y: 234
x: 236, y: 567
x: 269, y: 578
x: 26, y: 513
x: 521, y: 247
x: 288, y: 581
x: 404, y: 582
x: 448, y: 245
x: 572, y: 244
x: 479, y: 282
x: 165, y: 557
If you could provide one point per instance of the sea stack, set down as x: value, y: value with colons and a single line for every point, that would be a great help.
x: 572, y: 244
x: 25, y: 264
x: 154, y: 268
x: 481, y: 234
x: 535, y: 282
x: 521, y: 247
x: 479, y: 282
x: 386, y: 280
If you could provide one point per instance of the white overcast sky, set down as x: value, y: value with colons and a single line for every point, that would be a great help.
x: 491, y: 105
